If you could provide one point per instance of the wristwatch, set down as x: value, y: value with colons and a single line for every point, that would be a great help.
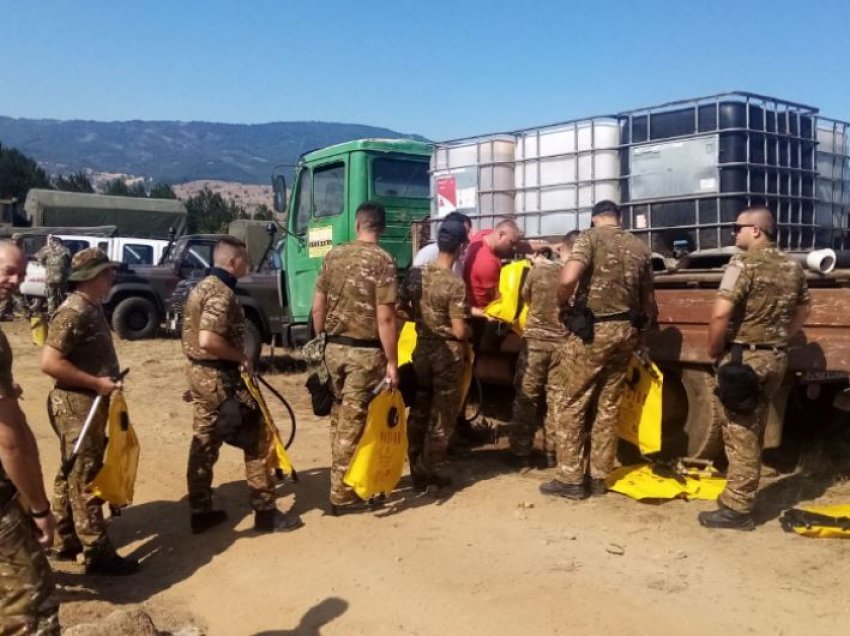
x: 41, y: 514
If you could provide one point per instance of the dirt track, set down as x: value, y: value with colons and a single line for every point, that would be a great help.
x: 494, y: 558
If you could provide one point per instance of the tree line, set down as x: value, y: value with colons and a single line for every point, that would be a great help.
x: 208, y: 211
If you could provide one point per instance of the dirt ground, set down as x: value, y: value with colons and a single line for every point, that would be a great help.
x: 494, y: 557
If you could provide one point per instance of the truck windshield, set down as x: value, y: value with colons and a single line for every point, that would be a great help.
x: 402, y: 178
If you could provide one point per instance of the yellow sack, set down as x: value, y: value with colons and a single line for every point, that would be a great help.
x: 406, y: 343
x: 645, y: 481
x: 38, y: 326
x: 379, y: 457
x: 640, y: 406
x: 823, y: 522
x: 468, y: 370
x: 508, y: 305
x: 116, y: 480
x: 279, y: 457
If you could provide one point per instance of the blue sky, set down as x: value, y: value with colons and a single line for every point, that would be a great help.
x: 442, y: 69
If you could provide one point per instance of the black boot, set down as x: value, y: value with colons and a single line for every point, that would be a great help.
x: 110, y: 564
x: 275, y: 521
x: 727, y: 518
x: 203, y: 521
x: 568, y: 491
x: 597, y: 487
x: 65, y: 553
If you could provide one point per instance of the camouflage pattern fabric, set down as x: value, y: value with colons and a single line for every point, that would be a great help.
x: 212, y: 306
x: 595, y: 369
x: 210, y: 389
x: 79, y: 514
x: 766, y: 287
x: 314, y: 356
x: 7, y: 390
x: 28, y: 599
x: 742, y: 434
x: 618, y: 270
x: 539, y: 380
x: 354, y: 373
x: 55, y: 295
x: 356, y: 277
x: 80, y: 332
x: 540, y: 293
x: 56, y: 260
x: 433, y: 296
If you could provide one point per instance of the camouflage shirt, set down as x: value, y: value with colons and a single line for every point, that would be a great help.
x: 540, y: 292
x: 7, y: 389
x: 80, y: 332
x: 212, y: 306
x: 434, y: 296
x: 765, y: 287
x: 356, y: 277
x: 56, y: 260
x: 618, y: 274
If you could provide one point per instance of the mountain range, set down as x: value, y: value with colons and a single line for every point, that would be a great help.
x: 173, y: 151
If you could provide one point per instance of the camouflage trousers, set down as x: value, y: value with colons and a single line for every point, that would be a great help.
x: 743, y: 434
x: 439, y: 367
x: 79, y: 514
x: 539, y: 384
x: 597, y: 371
x: 28, y: 600
x: 210, y: 388
x: 13, y: 304
x: 354, y: 374
x: 55, y: 293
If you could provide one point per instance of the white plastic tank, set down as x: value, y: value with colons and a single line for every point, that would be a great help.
x: 562, y: 171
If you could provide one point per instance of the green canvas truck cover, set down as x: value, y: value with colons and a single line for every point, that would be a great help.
x: 142, y: 218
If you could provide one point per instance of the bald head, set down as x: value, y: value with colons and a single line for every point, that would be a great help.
x: 504, y: 237
x: 231, y: 255
x: 762, y: 218
x: 13, y: 268
x: 755, y: 226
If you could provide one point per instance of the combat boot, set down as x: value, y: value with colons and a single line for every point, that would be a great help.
x: 110, y: 564
x: 568, y: 491
x: 275, y: 521
x: 67, y: 553
x: 203, y: 521
x: 597, y: 487
x: 727, y: 518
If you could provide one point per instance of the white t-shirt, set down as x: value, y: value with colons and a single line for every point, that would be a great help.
x: 429, y: 253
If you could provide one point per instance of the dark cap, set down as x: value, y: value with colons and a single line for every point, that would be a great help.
x: 88, y: 263
x: 606, y: 206
x: 452, y: 235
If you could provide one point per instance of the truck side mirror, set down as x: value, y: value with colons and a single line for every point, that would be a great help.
x: 279, y: 189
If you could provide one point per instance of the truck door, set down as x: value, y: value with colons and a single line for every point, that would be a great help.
x: 319, y: 221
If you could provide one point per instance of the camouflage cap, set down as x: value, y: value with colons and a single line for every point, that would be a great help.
x: 88, y: 263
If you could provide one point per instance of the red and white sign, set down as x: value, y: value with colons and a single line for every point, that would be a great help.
x: 446, y: 195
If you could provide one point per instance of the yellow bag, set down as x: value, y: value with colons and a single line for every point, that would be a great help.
x: 823, y: 522
x: 38, y: 326
x: 279, y: 457
x: 643, y: 481
x: 468, y: 370
x: 508, y: 305
x: 380, y: 455
x: 116, y: 480
x: 406, y: 343
x: 640, y: 406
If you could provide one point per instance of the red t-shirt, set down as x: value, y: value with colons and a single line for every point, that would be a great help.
x: 481, y: 269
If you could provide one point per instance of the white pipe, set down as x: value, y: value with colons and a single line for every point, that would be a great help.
x: 822, y: 261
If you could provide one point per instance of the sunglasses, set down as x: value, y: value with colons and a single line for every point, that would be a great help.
x: 737, y: 227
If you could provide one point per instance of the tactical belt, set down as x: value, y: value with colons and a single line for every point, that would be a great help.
x: 622, y: 317
x: 354, y: 342
x: 757, y: 347
x: 220, y: 365
x: 75, y: 389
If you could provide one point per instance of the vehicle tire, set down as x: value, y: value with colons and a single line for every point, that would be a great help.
x: 253, y: 342
x: 136, y: 318
x: 690, y: 422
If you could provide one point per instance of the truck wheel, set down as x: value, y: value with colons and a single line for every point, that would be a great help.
x: 135, y: 318
x: 253, y: 341
x: 690, y: 423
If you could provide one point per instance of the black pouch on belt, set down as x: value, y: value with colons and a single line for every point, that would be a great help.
x: 229, y: 423
x: 579, y: 319
x: 738, y: 386
x: 321, y: 395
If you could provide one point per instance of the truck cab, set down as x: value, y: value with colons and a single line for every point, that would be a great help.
x: 329, y: 184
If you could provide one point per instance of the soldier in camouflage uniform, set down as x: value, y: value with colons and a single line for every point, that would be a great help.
x: 56, y: 260
x: 28, y: 601
x: 610, y: 271
x: 435, y: 297
x: 354, y: 304
x: 762, y: 303
x: 80, y: 356
x: 213, y: 341
x: 540, y: 367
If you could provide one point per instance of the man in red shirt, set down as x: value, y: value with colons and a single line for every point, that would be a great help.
x: 483, y: 262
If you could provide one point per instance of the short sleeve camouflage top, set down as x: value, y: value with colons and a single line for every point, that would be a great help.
x: 618, y: 270
x: 356, y: 277
x: 80, y: 332
x: 540, y: 292
x: 436, y: 296
x: 212, y: 306
x: 765, y: 287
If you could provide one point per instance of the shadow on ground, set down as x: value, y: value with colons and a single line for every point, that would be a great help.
x: 313, y: 620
